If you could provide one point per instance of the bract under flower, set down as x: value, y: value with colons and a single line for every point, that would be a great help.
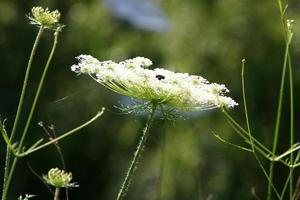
x: 131, y: 78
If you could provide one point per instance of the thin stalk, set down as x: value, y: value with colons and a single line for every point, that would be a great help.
x: 287, y: 38
x: 291, y: 124
x: 52, y: 135
x: 40, y: 86
x: 137, y: 155
x: 11, y: 171
x: 30, y: 151
x: 245, y: 135
x: 245, y: 104
x: 297, y: 190
x: 19, y: 109
x: 51, y: 142
x: 162, y: 165
x: 285, y: 187
x: 277, y: 125
x: 280, y: 8
x: 56, y: 193
x: 249, y: 129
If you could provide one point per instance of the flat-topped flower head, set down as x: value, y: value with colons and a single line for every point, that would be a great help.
x: 43, y: 17
x: 59, y: 178
x: 131, y: 78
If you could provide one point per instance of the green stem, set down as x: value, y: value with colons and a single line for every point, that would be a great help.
x: 291, y: 125
x: 245, y: 135
x: 277, y: 125
x: 56, y: 194
x: 137, y: 155
x: 30, y: 151
x: 161, y: 167
x: 249, y: 129
x: 287, y: 38
x: 285, y: 187
x: 47, y: 144
x: 280, y: 8
x: 20, y: 105
x: 245, y: 104
x: 40, y: 86
x: 12, y: 169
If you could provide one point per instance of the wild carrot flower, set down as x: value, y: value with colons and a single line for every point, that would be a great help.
x: 59, y: 178
x: 132, y: 78
x: 43, y: 17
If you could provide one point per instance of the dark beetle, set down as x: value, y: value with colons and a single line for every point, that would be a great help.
x: 159, y: 77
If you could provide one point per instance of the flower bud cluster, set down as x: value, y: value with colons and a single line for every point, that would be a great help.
x: 59, y: 178
x: 43, y: 17
x: 132, y: 78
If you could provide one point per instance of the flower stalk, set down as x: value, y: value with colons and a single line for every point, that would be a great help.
x: 137, y: 155
x: 286, y: 62
x: 59, y: 179
x: 43, y: 19
x: 6, y: 179
x: 56, y: 193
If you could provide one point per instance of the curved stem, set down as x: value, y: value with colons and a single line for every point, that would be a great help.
x: 137, y: 155
x: 20, y: 105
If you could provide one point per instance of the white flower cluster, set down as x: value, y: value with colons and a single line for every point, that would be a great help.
x: 132, y: 78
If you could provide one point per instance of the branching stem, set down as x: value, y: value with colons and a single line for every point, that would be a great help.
x: 20, y: 105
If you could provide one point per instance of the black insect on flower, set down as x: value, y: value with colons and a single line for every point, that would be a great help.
x: 160, y: 77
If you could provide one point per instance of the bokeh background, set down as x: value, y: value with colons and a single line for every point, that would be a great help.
x: 203, y: 37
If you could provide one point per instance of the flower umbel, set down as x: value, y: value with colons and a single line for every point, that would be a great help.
x: 59, y: 178
x: 131, y: 78
x: 43, y: 17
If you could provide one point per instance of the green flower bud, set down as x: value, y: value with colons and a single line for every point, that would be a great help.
x: 59, y: 178
x: 43, y: 17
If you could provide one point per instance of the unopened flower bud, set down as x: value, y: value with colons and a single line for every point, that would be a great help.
x: 43, y: 17
x: 59, y: 178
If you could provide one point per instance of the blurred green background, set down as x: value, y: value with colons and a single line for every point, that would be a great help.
x: 203, y: 37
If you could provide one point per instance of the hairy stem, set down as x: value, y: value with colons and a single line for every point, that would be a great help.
x: 137, y: 155
x: 20, y: 105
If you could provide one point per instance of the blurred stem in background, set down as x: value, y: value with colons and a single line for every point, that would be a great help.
x: 162, y: 165
x: 137, y: 155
